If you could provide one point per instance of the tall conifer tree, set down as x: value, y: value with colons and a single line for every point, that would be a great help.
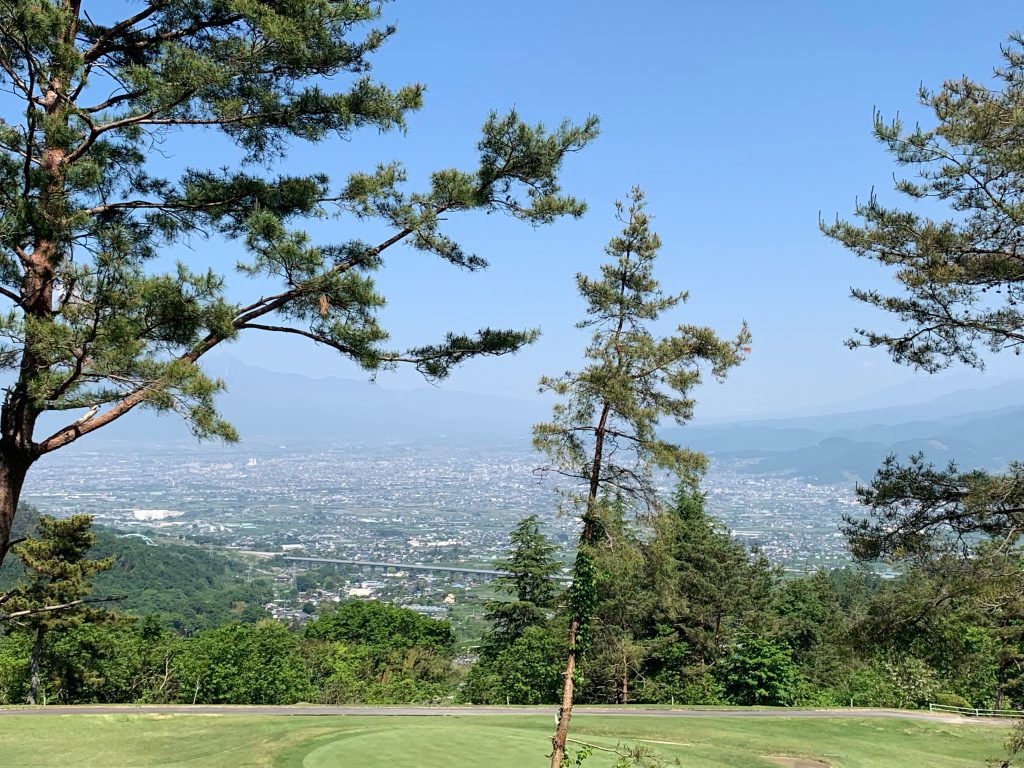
x: 603, y: 437
x: 531, y: 567
x: 54, y: 593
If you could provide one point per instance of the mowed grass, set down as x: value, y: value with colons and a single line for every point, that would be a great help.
x: 227, y: 741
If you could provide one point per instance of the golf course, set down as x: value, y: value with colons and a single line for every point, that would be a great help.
x: 136, y: 740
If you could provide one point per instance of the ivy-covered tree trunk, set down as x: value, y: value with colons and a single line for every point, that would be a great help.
x: 561, y: 736
x: 583, y: 592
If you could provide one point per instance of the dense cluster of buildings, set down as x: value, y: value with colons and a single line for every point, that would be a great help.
x: 400, y: 503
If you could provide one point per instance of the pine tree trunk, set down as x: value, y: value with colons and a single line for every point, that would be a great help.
x: 17, y: 451
x: 565, y: 712
x: 21, y: 406
x: 12, y: 477
x: 37, y: 655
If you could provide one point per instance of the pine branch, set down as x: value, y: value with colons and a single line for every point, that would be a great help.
x: 61, y: 607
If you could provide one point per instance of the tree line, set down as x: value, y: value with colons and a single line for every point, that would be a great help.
x: 684, y: 614
x: 364, y: 652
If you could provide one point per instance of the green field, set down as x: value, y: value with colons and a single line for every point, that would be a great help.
x: 228, y: 741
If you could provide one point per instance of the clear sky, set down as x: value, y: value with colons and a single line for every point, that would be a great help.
x: 742, y: 122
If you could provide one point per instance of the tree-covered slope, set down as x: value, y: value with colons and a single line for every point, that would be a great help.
x: 190, y: 588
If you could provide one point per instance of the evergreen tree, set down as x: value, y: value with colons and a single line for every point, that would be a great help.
x: 919, y: 510
x: 520, y: 653
x: 56, y: 584
x: 962, y: 287
x: 531, y: 567
x: 810, y: 620
x: 92, y: 324
x: 602, y: 439
x: 626, y: 603
x: 526, y: 671
x: 710, y: 589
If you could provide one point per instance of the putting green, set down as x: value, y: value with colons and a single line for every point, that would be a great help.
x: 423, y: 746
x: 523, y: 742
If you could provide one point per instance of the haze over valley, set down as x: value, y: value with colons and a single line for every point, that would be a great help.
x: 351, y: 469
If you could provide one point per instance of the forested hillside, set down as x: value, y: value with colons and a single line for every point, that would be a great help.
x: 185, y: 587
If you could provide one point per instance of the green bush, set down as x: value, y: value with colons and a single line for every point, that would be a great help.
x: 760, y: 671
x: 950, y: 700
x: 703, y: 689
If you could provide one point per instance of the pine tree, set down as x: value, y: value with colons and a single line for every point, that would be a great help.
x: 961, y: 278
x: 92, y: 324
x: 531, y: 567
x: 623, y: 609
x: 710, y: 587
x: 961, y: 292
x: 519, y: 655
x: 54, y: 594
x: 602, y: 439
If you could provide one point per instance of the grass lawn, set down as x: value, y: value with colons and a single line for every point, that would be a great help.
x: 228, y: 741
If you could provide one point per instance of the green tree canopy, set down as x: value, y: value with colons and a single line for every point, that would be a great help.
x: 93, y: 322
x: 709, y: 586
x: 530, y: 568
x: 53, y: 594
x: 243, y: 664
x: 382, y: 625
x: 956, y: 254
x: 761, y: 671
x: 918, y: 509
x: 961, y: 278
x: 57, y: 569
x: 377, y: 652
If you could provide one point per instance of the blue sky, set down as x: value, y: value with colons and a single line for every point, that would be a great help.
x: 741, y: 121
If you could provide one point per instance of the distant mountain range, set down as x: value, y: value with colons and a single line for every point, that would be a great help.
x: 269, y: 406
x: 977, y: 427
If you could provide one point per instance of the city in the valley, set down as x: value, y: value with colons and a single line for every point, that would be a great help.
x: 409, y: 504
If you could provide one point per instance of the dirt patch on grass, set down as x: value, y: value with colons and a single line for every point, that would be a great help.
x: 797, y: 762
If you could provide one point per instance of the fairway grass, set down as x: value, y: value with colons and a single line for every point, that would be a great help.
x: 221, y: 741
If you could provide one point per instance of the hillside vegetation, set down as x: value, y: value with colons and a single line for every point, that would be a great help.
x: 186, y: 587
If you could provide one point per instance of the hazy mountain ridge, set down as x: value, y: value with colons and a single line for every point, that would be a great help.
x: 975, y: 427
x: 850, y: 446
x: 267, y: 405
